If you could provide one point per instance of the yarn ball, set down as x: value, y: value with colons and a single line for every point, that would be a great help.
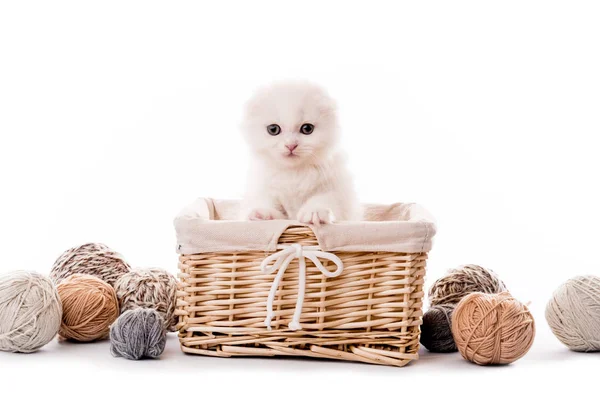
x: 492, y: 328
x: 573, y: 313
x: 30, y: 311
x: 436, y: 331
x: 138, y: 333
x: 462, y: 281
x: 149, y: 288
x: 90, y: 306
x: 94, y: 259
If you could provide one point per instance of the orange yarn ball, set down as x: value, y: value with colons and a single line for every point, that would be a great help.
x: 90, y: 306
x: 492, y: 328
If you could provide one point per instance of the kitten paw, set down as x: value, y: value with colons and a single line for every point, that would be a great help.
x: 315, y: 216
x: 265, y: 214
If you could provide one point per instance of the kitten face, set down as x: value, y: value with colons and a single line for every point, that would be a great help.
x: 291, y: 124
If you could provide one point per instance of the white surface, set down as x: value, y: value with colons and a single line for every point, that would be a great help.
x: 109, y: 111
x: 549, y: 370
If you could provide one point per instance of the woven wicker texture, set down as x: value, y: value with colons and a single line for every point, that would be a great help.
x: 370, y: 313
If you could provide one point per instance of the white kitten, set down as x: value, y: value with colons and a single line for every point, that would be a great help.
x: 297, y: 170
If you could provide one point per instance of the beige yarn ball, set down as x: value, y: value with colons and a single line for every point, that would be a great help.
x: 462, y: 281
x: 30, y: 311
x: 492, y: 328
x: 573, y: 313
x: 149, y: 288
x: 90, y: 306
x: 92, y: 258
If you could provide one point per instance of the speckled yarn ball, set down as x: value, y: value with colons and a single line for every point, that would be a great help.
x: 462, y: 281
x: 90, y: 306
x: 138, y: 334
x: 30, y: 311
x: 573, y: 313
x: 149, y: 288
x: 436, y: 331
x: 492, y: 328
x: 93, y: 259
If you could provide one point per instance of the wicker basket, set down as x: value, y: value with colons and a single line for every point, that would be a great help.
x: 292, y: 297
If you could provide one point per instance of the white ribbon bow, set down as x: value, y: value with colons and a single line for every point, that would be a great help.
x: 282, y: 260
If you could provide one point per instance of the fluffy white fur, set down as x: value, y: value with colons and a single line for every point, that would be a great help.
x: 309, y: 183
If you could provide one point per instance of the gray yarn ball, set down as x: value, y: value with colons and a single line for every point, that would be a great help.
x: 137, y: 334
x: 436, y: 331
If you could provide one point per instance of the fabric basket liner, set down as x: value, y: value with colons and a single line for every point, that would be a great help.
x: 209, y: 225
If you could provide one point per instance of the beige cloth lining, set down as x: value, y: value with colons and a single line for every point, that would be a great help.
x: 209, y: 225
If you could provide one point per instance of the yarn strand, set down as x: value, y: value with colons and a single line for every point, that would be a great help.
x: 30, y: 311
x: 492, y: 328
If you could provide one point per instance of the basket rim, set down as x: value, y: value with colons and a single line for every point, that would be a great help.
x: 209, y: 225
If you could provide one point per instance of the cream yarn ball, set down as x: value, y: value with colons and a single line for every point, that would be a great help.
x: 573, y: 313
x: 151, y: 289
x: 30, y: 311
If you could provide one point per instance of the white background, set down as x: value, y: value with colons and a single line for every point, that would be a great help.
x: 113, y: 115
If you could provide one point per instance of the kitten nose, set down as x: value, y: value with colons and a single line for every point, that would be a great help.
x: 291, y: 147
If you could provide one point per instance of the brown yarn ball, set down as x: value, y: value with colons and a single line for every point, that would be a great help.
x: 436, y: 331
x: 462, y: 281
x: 492, y: 328
x: 93, y: 259
x: 90, y: 306
x: 150, y: 289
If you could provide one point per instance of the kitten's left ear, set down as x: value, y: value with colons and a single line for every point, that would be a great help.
x: 326, y: 105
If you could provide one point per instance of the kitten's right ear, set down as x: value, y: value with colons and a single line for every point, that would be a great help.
x: 252, y: 108
x: 255, y: 102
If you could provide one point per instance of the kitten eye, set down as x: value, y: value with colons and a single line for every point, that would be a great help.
x: 307, y: 128
x: 273, y: 130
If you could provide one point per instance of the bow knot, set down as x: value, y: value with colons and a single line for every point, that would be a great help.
x: 282, y: 259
